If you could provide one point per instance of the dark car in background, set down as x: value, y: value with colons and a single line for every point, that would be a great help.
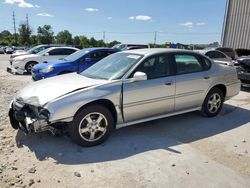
x: 1, y: 50
x: 76, y: 62
x: 243, y: 69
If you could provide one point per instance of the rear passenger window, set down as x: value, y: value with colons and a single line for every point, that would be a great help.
x: 187, y: 64
x: 67, y: 51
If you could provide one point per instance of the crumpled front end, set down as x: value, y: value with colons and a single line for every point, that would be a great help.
x: 29, y: 118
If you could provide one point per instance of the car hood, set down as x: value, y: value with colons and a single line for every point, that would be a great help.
x: 49, y: 63
x: 41, y: 92
x: 25, y: 56
x: 20, y: 53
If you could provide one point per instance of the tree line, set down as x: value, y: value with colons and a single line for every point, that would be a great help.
x: 45, y: 35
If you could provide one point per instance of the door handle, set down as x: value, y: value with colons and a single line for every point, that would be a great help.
x: 168, y: 83
x: 206, y: 77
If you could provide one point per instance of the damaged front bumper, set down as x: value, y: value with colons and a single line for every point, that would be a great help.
x: 15, y: 70
x: 29, y: 119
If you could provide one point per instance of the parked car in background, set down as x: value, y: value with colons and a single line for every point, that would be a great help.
x: 33, y: 50
x: 122, y: 89
x: 243, y: 68
x: 130, y: 46
x: 242, y: 52
x: 24, y: 63
x: 230, y: 52
x: 1, y: 50
x: 9, y: 50
x: 217, y: 56
x: 76, y: 62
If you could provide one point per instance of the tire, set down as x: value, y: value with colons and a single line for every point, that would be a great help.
x: 85, y: 129
x: 213, y: 103
x: 29, y: 66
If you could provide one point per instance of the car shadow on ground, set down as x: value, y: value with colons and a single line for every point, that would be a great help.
x: 133, y: 140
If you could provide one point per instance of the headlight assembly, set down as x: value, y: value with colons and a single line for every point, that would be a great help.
x: 49, y: 69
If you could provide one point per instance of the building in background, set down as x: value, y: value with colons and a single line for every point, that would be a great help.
x: 236, y: 28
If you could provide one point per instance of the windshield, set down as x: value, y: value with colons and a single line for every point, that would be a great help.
x: 43, y: 52
x: 32, y: 49
x: 112, y: 67
x: 36, y: 49
x: 76, y: 55
x: 119, y: 46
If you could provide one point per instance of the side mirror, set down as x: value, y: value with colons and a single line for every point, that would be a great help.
x: 139, y: 76
x: 46, y: 54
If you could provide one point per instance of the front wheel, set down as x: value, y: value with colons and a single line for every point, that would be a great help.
x: 213, y: 103
x: 29, y: 66
x: 91, y: 126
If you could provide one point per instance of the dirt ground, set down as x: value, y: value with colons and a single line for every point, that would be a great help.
x: 182, y: 151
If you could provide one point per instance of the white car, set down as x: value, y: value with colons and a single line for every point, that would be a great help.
x: 217, y: 56
x: 24, y: 63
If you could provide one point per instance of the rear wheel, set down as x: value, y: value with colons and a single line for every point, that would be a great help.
x: 29, y: 65
x: 213, y: 102
x: 91, y: 126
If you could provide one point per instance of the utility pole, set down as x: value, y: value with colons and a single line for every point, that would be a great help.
x: 155, y: 38
x: 104, y: 36
x: 27, y: 20
x: 14, y: 23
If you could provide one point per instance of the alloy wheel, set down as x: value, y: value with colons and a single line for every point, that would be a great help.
x: 214, y: 103
x: 93, y: 126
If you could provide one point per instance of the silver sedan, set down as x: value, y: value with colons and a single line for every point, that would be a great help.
x: 123, y: 89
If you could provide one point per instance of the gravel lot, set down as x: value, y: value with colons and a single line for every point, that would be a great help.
x: 182, y: 151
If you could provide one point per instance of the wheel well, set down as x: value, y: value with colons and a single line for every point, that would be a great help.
x: 30, y: 62
x: 64, y: 72
x: 104, y: 102
x: 222, y: 88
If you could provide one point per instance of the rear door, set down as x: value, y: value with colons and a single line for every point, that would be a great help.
x: 151, y: 97
x: 192, y: 80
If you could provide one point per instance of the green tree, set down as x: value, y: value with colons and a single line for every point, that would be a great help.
x: 45, y: 34
x: 77, y: 41
x: 34, y: 40
x: 111, y: 44
x: 84, y: 41
x: 24, y: 34
x: 6, y: 38
x: 64, y: 37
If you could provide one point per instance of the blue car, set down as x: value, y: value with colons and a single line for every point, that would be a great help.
x: 76, y: 62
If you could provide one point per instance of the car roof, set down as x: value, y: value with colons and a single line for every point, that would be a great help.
x: 207, y: 50
x: 59, y: 47
x: 99, y: 48
x: 151, y: 51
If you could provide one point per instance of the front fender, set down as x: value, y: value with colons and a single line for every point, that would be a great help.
x: 65, y: 107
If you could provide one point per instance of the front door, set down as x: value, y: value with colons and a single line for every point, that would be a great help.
x: 151, y: 97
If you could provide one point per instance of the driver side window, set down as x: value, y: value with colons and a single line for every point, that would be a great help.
x: 155, y: 67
